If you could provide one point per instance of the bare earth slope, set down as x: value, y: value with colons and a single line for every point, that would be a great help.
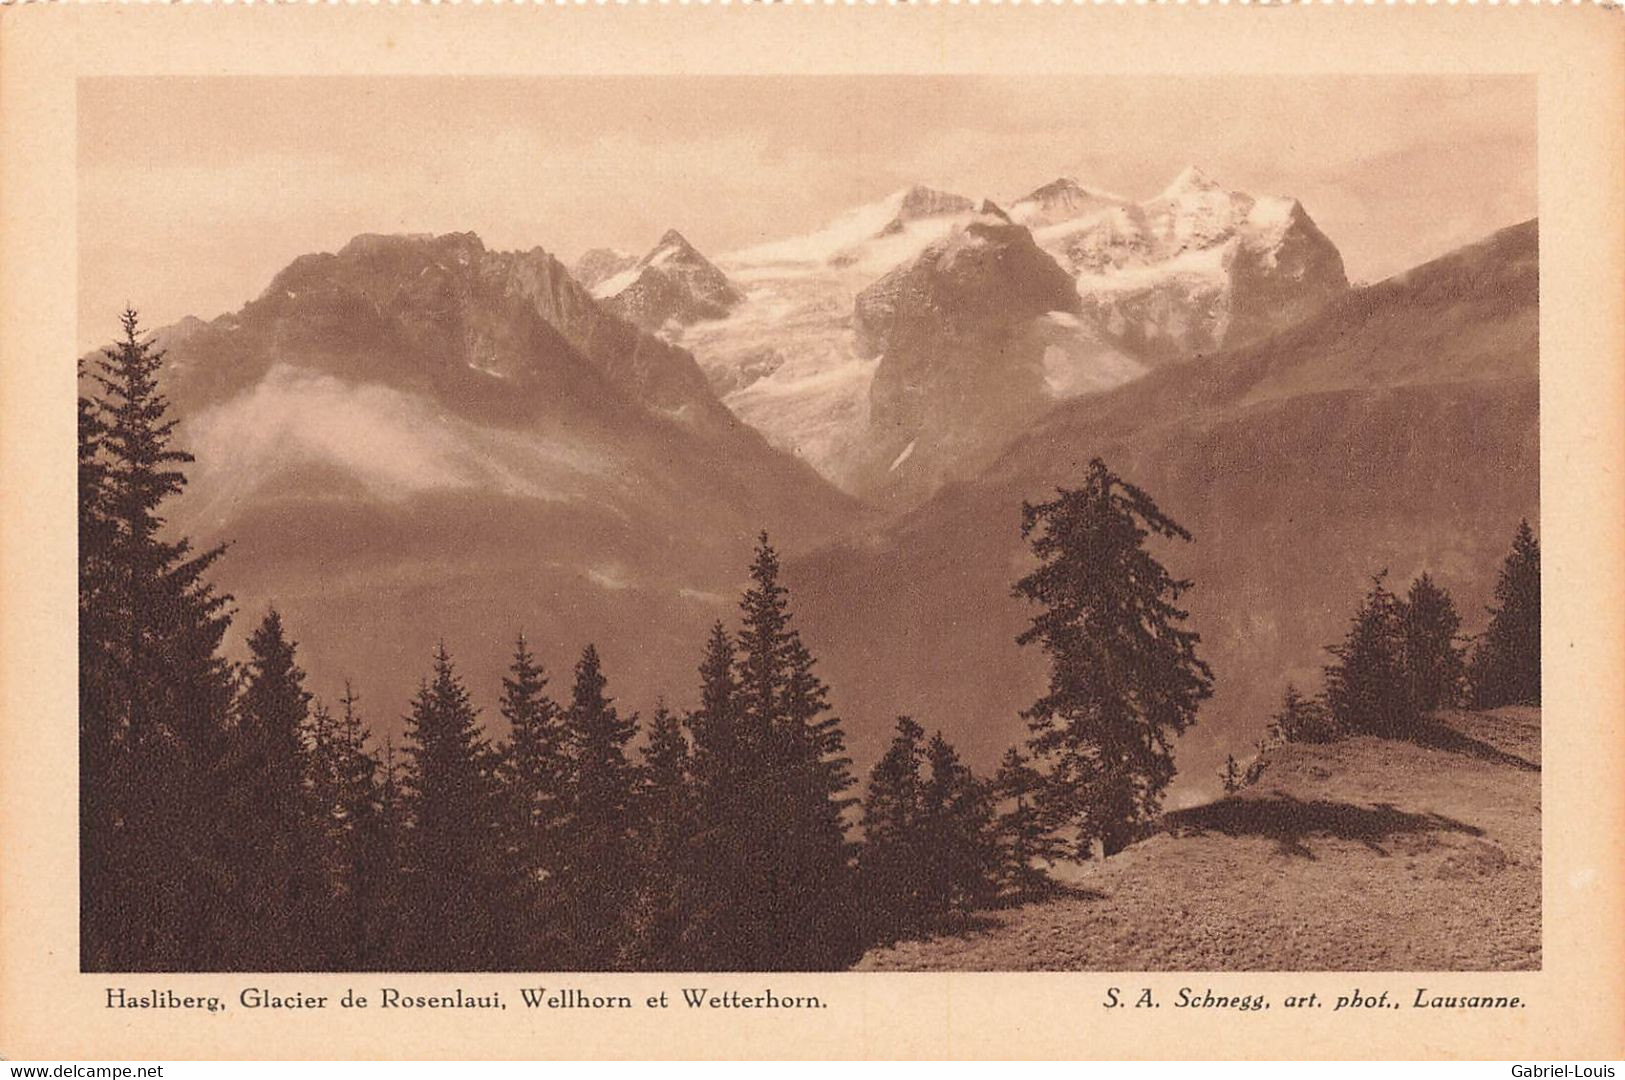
x: 1362, y: 855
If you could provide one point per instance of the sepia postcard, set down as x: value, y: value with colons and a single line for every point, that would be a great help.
x: 807, y: 532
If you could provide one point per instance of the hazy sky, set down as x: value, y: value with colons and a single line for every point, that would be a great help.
x: 194, y: 192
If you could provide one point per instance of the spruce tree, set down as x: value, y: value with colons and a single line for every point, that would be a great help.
x: 891, y: 866
x: 1025, y: 838
x: 535, y: 774
x: 385, y: 849
x: 810, y: 916
x: 1432, y: 656
x: 960, y: 856
x: 1366, y: 689
x: 268, y: 818
x: 365, y: 858
x: 771, y: 879
x: 155, y: 693
x: 1230, y: 775
x: 1125, y: 678
x: 1506, y: 664
x: 666, y: 825
x: 599, y: 866
x: 727, y: 877
x: 456, y: 858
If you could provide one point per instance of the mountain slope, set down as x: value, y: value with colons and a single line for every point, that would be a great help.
x: 1364, y: 855
x: 416, y: 439
x: 1398, y: 428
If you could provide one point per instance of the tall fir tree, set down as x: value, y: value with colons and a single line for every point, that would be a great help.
x: 727, y: 875
x: 365, y: 859
x: 891, y: 866
x: 456, y: 856
x: 665, y: 828
x: 385, y: 846
x: 155, y: 693
x: 1230, y: 776
x: 1430, y: 650
x: 269, y: 818
x: 961, y: 855
x: 599, y: 866
x: 1506, y: 663
x: 771, y: 879
x: 535, y: 773
x: 811, y: 918
x: 1366, y: 688
x: 1125, y: 678
x: 1025, y: 837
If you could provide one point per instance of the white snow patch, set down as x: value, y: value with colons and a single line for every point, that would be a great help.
x: 904, y: 456
x: 616, y: 283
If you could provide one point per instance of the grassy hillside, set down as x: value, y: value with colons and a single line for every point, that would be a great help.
x: 1361, y: 855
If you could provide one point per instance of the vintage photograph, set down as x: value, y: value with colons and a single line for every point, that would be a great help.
x: 716, y: 523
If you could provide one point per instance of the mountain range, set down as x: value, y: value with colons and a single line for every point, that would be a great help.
x: 416, y: 439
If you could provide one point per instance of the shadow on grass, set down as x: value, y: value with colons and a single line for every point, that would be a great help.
x: 1039, y: 892
x: 1291, y: 822
x: 1442, y: 737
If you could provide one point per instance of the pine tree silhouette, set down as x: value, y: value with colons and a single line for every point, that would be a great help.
x: 728, y: 873
x: 811, y: 918
x: 599, y: 867
x: 1025, y: 838
x: 273, y: 826
x: 891, y: 866
x: 1435, y: 668
x: 154, y: 692
x: 665, y: 832
x: 1124, y: 674
x: 957, y: 824
x: 1230, y: 775
x: 385, y: 849
x: 771, y: 881
x: 1366, y: 689
x: 1506, y: 664
x: 456, y: 859
x: 535, y: 773
x: 364, y: 858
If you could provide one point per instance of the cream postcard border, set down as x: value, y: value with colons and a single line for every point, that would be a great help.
x: 1576, y: 1004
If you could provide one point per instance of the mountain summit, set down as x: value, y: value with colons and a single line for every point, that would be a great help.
x: 1060, y: 200
x: 1196, y: 269
x: 968, y: 334
x: 673, y: 284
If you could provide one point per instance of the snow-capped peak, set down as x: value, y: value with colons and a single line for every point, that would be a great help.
x: 670, y: 241
x: 1190, y: 179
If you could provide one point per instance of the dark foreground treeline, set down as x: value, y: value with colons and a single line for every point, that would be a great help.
x: 230, y: 821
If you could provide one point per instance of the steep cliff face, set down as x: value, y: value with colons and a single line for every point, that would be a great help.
x: 962, y: 332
